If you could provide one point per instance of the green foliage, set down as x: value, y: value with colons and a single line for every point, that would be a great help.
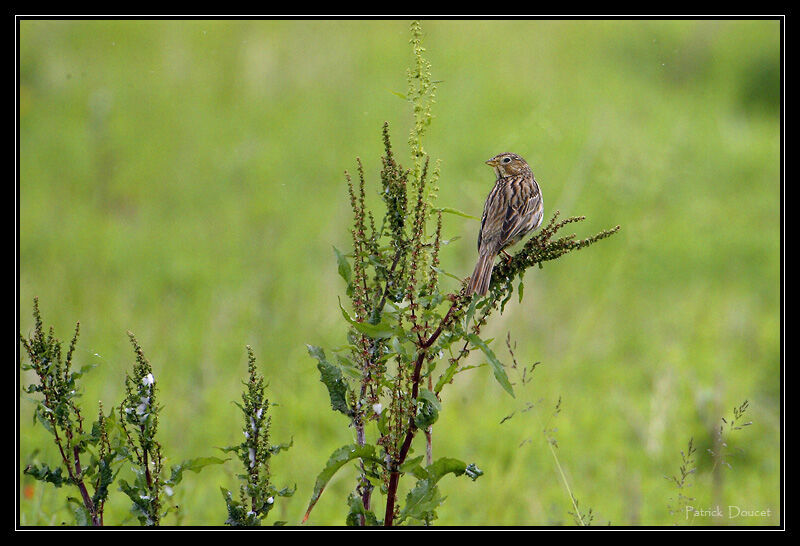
x: 680, y: 506
x: 239, y: 513
x: 43, y: 472
x: 428, y: 408
x: 139, y: 411
x: 423, y: 499
x: 421, y: 95
x: 193, y: 465
x: 192, y: 191
x: 110, y: 442
x: 331, y: 376
x: 359, y: 515
x: 337, y: 460
x: 403, y: 320
x: 257, y: 493
x: 497, y: 366
x: 682, y: 482
x: 58, y: 411
x: 139, y: 423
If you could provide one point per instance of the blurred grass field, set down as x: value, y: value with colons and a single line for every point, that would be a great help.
x: 184, y: 180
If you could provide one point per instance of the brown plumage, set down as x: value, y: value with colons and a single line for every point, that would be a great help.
x: 513, y: 209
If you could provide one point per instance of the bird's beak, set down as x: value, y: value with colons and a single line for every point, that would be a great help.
x: 491, y: 162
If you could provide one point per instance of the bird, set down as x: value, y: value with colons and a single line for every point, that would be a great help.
x: 513, y: 209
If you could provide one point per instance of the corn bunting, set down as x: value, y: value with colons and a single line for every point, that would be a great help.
x: 513, y: 209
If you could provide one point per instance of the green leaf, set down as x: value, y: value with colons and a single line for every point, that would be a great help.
x: 85, y: 368
x: 382, y: 330
x: 443, y: 272
x: 410, y: 465
x: 331, y: 377
x: 357, y: 510
x: 39, y: 415
x: 383, y: 422
x: 470, y: 313
x: 424, y: 497
x: 398, y: 348
x: 141, y: 506
x: 82, y: 517
x: 286, y: 491
x: 446, y: 377
x: 239, y: 515
x: 348, y: 368
x: 497, y: 366
x: 457, y: 212
x: 421, y: 503
x: 275, y: 449
x: 106, y: 478
x: 428, y: 408
x: 510, y: 289
x: 195, y: 465
x: 337, y: 460
x: 444, y: 466
x: 46, y: 474
x: 428, y: 397
x: 344, y: 267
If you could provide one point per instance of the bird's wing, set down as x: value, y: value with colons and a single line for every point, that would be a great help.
x: 513, y: 208
x: 524, y: 211
x: 492, y: 220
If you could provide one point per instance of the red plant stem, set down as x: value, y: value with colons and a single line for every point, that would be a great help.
x: 87, y: 500
x: 394, y: 477
x: 77, y: 476
x: 435, y: 335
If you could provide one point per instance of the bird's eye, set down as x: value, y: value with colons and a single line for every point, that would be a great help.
x: 506, y: 160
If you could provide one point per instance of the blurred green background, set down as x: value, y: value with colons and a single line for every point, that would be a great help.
x: 184, y: 180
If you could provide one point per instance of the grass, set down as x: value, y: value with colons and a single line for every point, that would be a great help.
x: 184, y: 180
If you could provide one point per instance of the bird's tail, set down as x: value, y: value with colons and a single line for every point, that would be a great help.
x: 479, y: 283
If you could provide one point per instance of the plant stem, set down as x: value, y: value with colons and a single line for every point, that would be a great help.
x: 87, y: 500
x: 77, y: 477
x: 566, y: 484
x: 429, y: 433
x: 394, y: 478
x: 366, y: 491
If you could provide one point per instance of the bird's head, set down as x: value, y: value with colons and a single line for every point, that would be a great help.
x: 507, y: 164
